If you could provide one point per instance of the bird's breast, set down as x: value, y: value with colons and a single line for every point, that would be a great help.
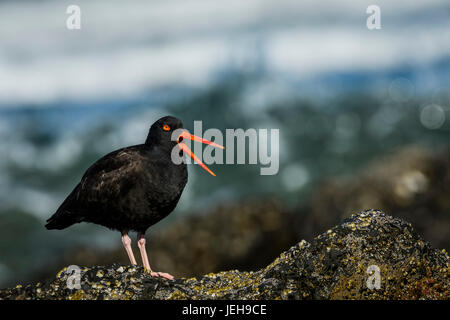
x: 164, y: 183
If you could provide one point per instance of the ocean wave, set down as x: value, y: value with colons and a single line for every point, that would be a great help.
x: 124, y: 49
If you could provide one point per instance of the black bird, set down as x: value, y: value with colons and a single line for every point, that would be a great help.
x: 132, y: 188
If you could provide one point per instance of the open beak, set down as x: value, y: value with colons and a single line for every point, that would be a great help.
x: 185, y: 148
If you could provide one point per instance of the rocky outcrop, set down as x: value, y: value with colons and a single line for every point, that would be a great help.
x: 371, y: 255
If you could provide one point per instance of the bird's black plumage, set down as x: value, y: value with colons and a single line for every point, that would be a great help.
x: 128, y: 189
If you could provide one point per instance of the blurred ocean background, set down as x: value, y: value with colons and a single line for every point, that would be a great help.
x: 341, y: 95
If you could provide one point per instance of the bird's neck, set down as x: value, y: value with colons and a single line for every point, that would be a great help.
x: 163, y: 151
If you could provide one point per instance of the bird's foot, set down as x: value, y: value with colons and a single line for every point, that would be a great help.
x: 160, y: 274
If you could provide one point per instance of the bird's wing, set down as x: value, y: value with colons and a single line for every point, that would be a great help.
x: 112, y: 176
x: 108, y: 179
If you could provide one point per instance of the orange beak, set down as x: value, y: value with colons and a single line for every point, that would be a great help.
x: 188, y: 151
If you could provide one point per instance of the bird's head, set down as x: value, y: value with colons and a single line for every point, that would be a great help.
x: 168, y: 132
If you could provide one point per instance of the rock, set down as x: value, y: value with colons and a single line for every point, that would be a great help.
x: 333, y: 266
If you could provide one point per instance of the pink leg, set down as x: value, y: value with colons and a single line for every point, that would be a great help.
x: 141, y: 245
x: 127, y: 244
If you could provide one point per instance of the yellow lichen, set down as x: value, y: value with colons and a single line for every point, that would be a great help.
x: 78, y: 295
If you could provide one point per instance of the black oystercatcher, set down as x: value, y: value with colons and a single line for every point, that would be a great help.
x: 132, y: 188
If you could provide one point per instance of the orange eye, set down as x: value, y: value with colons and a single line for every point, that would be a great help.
x: 166, y: 127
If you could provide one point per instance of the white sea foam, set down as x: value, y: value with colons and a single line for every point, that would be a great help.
x: 124, y: 48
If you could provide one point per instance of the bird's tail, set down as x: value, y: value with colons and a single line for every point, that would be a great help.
x: 61, y: 220
x: 66, y: 215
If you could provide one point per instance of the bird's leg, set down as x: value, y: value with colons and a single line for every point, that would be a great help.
x: 141, y: 245
x: 127, y: 244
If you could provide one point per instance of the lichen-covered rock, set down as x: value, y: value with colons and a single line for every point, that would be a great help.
x: 343, y: 263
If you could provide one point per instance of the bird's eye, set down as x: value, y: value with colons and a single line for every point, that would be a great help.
x: 166, y: 127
